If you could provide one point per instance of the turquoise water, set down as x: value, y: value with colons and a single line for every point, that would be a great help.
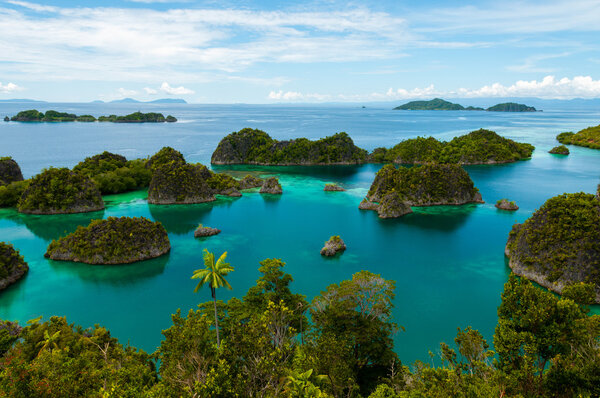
x: 448, y: 262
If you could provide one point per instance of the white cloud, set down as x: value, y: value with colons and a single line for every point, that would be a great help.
x: 33, y: 6
x: 166, y: 88
x: 9, y: 88
x: 548, y: 88
x: 126, y: 93
x: 150, y: 91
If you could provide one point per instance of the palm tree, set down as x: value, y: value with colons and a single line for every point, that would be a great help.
x: 213, y: 274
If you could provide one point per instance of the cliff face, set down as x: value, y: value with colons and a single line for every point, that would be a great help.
x: 112, y: 241
x: 60, y: 191
x: 9, y: 171
x: 560, y: 243
x: 427, y: 185
x: 12, y: 265
x: 174, y: 183
x: 250, y: 146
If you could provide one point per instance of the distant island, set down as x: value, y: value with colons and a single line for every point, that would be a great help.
x: 33, y: 115
x: 438, y: 104
x: 588, y: 137
x: 156, y: 101
x: 249, y: 146
x: 478, y: 147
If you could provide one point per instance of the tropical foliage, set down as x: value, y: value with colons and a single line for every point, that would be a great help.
x: 34, y: 115
x: 588, y: 137
x: 12, y: 264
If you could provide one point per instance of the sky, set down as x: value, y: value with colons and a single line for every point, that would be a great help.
x: 291, y: 51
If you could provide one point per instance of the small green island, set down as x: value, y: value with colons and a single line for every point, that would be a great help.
x: 395, y: 190
x: 60, y: 191
x: 250, y: 146
x: 559, y: 150
x: 559, y: 245
x: 9, y: 171
x: 33, y: 115
x: 478, y: 147
x: 505, y: 204
x: 121, y: 240
x: 333, y: 246
x: 12, y: 265
x: 588, y: 137
x: 438, y: 104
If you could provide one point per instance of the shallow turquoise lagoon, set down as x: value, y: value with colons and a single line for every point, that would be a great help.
x: 448, y: 262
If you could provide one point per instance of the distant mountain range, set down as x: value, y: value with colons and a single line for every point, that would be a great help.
x: 16, y: 100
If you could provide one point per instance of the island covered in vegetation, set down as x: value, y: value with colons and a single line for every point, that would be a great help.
x: 33, y: 115
x: 559, y: 245
x: 588, y: 137
x: 9, y: 171
x: 115, y: 240
x: 250, y: 146
x: 559, y: 150
x: 12, y: 267
x: 438, y: 104
x: 477, y: 147
x: 60, y: 191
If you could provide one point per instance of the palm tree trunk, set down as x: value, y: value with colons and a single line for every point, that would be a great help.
x: 214, y: 295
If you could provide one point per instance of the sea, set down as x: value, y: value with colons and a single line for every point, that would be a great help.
x: 447, y: 262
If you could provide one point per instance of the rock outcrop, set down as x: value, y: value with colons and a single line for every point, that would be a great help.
x: 112, y: 241
x: 559, y: 244
x: 203, y: 231
x: 333, y: 246
x: 333, y: 188
x: 12, y: 265
x: 559, y: 150
x: 250, y: 182
x: 392, y: 206
x: 9, y: 171
x: 366, y: 204
x: 271, y: 185
x: 176, y: 183
x: 60, y: 191
x: 505, y: 204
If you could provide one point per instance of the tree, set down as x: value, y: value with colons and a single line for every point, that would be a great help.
x: 214, y: 275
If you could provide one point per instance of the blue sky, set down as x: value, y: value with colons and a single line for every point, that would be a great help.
x: 298, y: 51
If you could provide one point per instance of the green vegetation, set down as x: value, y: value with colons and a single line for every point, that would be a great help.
x: 12, y: 268
x: 588, y: 137
x: 114, y: 173
x: 9, y: 171
x: 511, y: 107
x: 55, y: 191
x: 560, y: 150
x: 166, y: 155
x: 11, y: 193
x: 545, y: 346
x: 213, y: 274
x: 560, y: 243
x: 112, y: 241
x: 436, y: 104
x: 430, y: 184
x: 34, y: 115
x: 174, y: 183
x: 250, y: 146
x: 477, y: 147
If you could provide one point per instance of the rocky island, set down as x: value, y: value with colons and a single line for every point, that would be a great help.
x: 112, y: 241
x: 203, y: 231
x: 249, y: 146
x: 333, y: 188
x: 505, y: 204
x: 174, y: 183
x: 436, y: 104
x: 33, y: 115
x: 60, y: 191
x: 588, y: 137
x: 271, y: 185
x: 12, y: 265
x: 9, y: 171
x: 477, y: 147
x: 333, y: 246
x: 511, y: 107
x: 559, y: 245
x: 427, y: 185
x: 559, y: 150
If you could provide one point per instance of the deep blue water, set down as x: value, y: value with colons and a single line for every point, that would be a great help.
x: 448, y: 262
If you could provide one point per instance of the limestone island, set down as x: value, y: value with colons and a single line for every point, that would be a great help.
x: 12, y: 265
x: 116, y: 240
x: 588, y: 137
x: 559, y: 150
x: 60, y: 191
x: 271, y: 185
x: 505, y: 204
x: 426, y: 185
x: 477, y: 147
x: 6, y: 119
x: 333, y: 188
x: 33, y: 115
x: 9, y: 171
x: 249, y: 146
x: 559, y: 245
x: 203, y: 231
x: 511, y: 107
x: 333, y: 246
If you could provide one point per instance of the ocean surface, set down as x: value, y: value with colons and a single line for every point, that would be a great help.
x: 448, y: 262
